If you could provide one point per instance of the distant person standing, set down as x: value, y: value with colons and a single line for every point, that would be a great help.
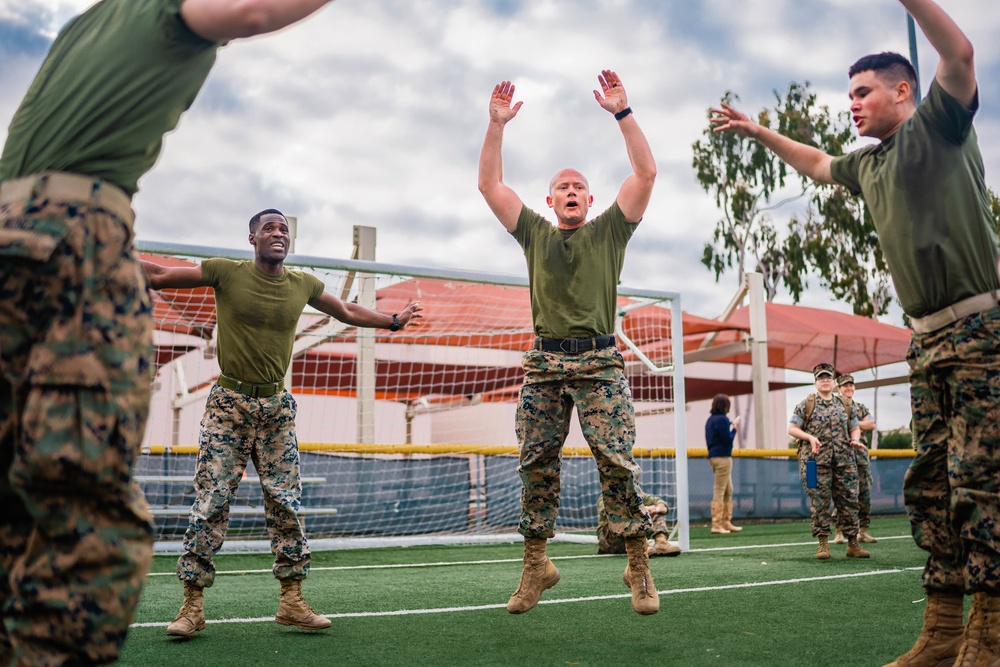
x: 250, y: 415
x: 573, y: 272
x: 720, y: 433
x: 829, y: 434
x: 76, y: 537
x: 845, y: 386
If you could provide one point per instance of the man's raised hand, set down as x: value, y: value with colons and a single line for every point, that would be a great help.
x: 500, y: 109
x: 728, y: 118
x: 614, y: 98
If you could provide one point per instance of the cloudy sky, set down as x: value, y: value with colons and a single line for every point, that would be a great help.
x: 373, y: 112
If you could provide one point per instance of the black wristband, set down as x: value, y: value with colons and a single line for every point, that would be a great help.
x: 624, y: 112
x: 395, y: 323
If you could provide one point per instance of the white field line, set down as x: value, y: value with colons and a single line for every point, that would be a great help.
x: 391, y: 566
x: 446, y: 610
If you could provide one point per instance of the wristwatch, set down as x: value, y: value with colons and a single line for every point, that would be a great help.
x: 395, y: 323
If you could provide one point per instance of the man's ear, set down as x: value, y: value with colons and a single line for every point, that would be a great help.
x: 548, y: 200
x: 903, y: 92
x: 590, y: 201
x: 250, y: 237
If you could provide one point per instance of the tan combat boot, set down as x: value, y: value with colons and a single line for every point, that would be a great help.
x: 637, y: 576
x: 717, y: 524
x: 823, y: 553
x: 293, y: 610
x: 727, y: 518
x: 538, y: 575
x: 191, y: 618
x: 854, y: 549
x: 839, y: 538
x: 981, y: 645
x: 863, y: 536
x: 941, y: 637
x: 661, y: 547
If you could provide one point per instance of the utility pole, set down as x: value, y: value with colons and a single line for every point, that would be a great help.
x: 911, y: 29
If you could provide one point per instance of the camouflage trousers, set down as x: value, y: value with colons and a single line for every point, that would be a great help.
x: 595, y: 383
x: 837, y: 484
x: 234, y: 430
x: 952, y: 488
x: 864, y: 489
x: 76, y: 536
x: 608, y: 543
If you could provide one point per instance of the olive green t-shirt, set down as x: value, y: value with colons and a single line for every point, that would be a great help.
x: 573, y: 275
x: 925, y: 189
x: 258, y: 315
x: 117, y: 78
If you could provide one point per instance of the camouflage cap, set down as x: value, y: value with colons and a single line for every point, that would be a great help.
x: 824, y: 369
x: 845, y: 379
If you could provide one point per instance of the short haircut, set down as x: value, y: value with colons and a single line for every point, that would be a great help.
x: 720, y: 404
x: 255, y: 220
x: 888, y: 66
x: 552, y: 182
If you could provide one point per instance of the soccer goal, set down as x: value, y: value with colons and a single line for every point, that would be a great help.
x: 408, y: 433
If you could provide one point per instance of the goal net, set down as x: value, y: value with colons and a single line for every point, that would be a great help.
x: 407, y: 433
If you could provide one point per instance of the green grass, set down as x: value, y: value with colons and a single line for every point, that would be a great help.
x: 762, y: 599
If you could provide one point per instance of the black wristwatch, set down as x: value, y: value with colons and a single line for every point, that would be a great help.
x: 395, y: 323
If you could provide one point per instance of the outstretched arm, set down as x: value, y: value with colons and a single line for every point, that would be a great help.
x: 503, y: 201
x: 955, y: 72
x: 223, y: 20
x: 809, y: 161
x: 633, y: 197
x: 165, y: 277
x: 359, y: 316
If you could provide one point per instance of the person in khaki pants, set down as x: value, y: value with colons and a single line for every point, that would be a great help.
x: 719, y: 435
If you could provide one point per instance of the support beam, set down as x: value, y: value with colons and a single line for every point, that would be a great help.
x: 758, y: 356
x: 727, y: 350
x: 364, y: 241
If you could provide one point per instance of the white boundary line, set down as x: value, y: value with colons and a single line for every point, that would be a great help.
x: 394, y: 566
x: 446, y: 610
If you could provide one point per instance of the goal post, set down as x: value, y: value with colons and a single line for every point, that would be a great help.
x: 432, y: 450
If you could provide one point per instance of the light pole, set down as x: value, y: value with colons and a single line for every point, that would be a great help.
x: 911, y: 29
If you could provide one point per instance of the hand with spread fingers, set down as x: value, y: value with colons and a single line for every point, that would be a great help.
x: 728, y: 118
x: 501, y: 110
x: 614, y: 98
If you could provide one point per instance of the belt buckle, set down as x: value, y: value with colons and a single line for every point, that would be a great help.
x: 574, y: 345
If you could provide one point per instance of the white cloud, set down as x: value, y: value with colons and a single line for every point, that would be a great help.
x: 374, y: 112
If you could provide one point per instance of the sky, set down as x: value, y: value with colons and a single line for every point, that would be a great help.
x: 373, y: 112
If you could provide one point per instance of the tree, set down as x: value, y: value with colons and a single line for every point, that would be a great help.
x: 995, y: 209
x: 831, y: 236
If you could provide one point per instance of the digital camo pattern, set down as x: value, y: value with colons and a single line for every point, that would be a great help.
x: 836, y: 469
x: 828, y: 423
x: 864, y: 474
x: 595, y: 383
x: 837, y: 485
x: 609, y: 543
x: 952, y: 489
x: 75, y: 345
x: 235, y: 429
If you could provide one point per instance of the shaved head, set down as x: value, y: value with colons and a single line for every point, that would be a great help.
x: 567, y: 173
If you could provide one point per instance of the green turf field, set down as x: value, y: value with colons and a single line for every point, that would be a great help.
x: 754, y: 598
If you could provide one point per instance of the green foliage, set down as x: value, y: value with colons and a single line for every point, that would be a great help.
x: 895, y: 440
x: 995, y: 209
x: 834, y: 239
